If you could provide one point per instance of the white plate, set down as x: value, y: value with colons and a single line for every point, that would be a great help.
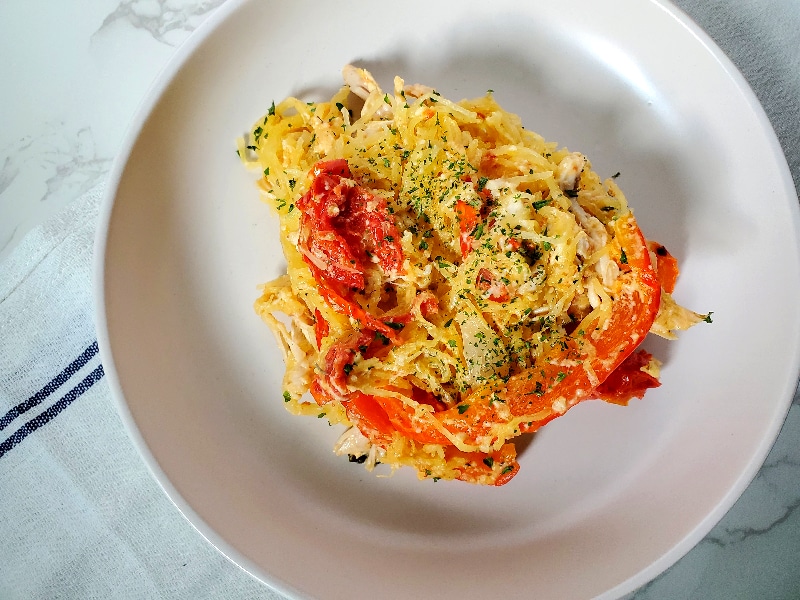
x: 607, y: 497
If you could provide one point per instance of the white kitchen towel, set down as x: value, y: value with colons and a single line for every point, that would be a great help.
x: 80, y: 515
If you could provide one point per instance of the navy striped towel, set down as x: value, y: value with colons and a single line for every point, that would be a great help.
x: 80, y: 515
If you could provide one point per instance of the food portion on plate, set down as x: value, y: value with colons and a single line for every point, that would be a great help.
x: 454, y: 280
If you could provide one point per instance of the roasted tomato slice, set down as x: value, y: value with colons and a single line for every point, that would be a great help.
x: 345, y: 231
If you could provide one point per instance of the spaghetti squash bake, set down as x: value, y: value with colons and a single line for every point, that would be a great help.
x: 453, y: 279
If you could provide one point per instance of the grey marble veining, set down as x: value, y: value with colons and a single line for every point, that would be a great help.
x: 167, y: 21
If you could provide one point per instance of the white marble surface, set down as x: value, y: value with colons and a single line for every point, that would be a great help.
x: 73, y: 73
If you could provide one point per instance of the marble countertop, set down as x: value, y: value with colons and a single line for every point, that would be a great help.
x: 73, y: 75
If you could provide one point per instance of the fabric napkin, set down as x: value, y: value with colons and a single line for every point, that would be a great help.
x: 80, y: 515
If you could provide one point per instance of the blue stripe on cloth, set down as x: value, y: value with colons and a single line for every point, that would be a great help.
x: 48, y: 415
x: 51, y: 387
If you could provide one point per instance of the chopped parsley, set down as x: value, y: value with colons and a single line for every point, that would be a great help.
x: 540, y: 204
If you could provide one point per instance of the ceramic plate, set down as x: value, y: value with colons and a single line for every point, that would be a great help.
x: 607, y: 497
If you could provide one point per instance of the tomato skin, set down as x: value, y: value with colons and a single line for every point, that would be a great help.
x: 337, y: 166
x: 478, y: 464
x: 342, y: 269
x: 628, y: 381
x: 428, y: 305
x: 468, y: 220
x: 487, y: 281
x: 321, y: 328
x: 426, y: 397
x: 362, y: 410
x: 340, y: 356
x: 368, y: 228
x: 350, y: 308
x: 666, y: 266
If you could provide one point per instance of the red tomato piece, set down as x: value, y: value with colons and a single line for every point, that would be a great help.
x: 339, y: 358
x: 478, y: 465
x: 666, y: 266
x: 345, y: 306
x: 428, y: 305
x: 337, y: 166
x: 426, y: 397
x: 321, y: 328
x: 369, y: 229
x: 628, y: 381
x: 486, y: 281
x: 468, y: 220
x: 362, y: 410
